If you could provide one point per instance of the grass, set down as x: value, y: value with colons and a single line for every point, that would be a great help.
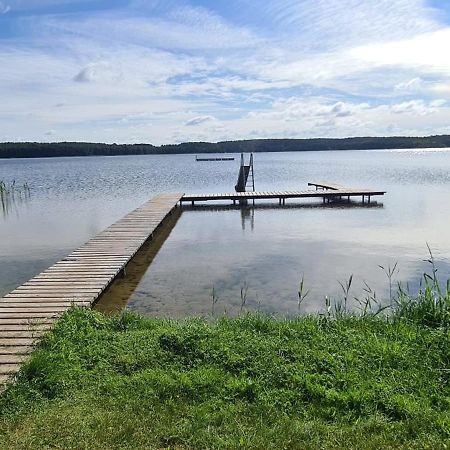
x: 250, y: 382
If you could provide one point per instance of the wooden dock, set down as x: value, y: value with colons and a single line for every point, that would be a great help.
x: 80, y: 278
x: 325, y: 191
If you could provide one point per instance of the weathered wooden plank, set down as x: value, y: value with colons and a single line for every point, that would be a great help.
x: 22, y: 304
x: 72, y: 277
x: 39, y: 299
x: 12, y: 359
x: 34, y: 310
x: 64, y: 283
x: 59, y: 286
x: 47, y: 295
x: 28, y: 334
x: 28, y: 315
x: 87, y: 272
x: 7, y: 327
x: 86, y: 264
x: 16, y: 350
x: 47, y: 290
x: 4, y: 379
x: 17, y: 342
x: 95, y: 256
x: 6, y: 369
x: 29, y: 322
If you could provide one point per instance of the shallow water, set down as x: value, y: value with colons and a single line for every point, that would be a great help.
x: 266, y: 248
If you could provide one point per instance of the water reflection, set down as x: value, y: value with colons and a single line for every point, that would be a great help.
x: 204, y: 254
x: 121, y: 290
x: 247, y: 216
x: 247, y: 212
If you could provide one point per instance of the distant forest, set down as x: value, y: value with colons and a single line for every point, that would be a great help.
x: 45, y: 150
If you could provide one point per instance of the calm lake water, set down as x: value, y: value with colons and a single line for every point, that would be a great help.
x: 266, y: 248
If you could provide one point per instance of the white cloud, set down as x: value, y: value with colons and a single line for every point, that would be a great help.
x: 427, y: 52
x: 325, y: 24
x: 98, y: 72
x: 181, y: 72
x: 414, y: 85
x: 414, y: 107
x: 186, y: 28
x: 199, y: 120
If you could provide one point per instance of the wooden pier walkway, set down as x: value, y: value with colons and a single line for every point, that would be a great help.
x: 80, y: 278
x: 324, y: 191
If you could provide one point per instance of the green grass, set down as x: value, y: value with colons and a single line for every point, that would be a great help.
x: 249, y: 382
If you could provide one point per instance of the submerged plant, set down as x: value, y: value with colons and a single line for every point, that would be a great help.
x: 214, y: 300
x: 244, y: 291
x: 302, y: 293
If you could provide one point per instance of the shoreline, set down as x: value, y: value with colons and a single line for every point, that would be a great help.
x: 12, y: 150
x: 246, y: 382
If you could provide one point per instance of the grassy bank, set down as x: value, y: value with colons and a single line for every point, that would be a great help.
x: 250, y: 382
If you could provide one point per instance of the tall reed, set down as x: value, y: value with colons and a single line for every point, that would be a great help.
x: 12, y: 193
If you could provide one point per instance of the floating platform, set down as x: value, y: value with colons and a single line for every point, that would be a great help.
x: 324, y: 191
x: 214, y: 159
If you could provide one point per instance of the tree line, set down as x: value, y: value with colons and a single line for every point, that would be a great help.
x: 58, y: 149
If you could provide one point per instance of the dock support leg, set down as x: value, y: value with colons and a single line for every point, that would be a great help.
x: 284, y: 201
x: 368, y: 199
x: 348, y: 198
x: 363, y: 199
x: 192, y: 202
x: 323, y: 200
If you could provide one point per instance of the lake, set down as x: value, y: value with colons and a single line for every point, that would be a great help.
x: 263, y: 250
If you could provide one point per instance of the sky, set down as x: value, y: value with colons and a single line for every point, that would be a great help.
x: 169, y: 71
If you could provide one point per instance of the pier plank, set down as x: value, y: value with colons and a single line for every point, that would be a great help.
x: 8, y: 369
x: 27, y: 334
x: 17, y: 342
x: 12, y: 359
x: 20, y: 350
x: 24, y: 328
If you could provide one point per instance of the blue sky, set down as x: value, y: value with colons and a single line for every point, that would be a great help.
x: 183, y: 70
